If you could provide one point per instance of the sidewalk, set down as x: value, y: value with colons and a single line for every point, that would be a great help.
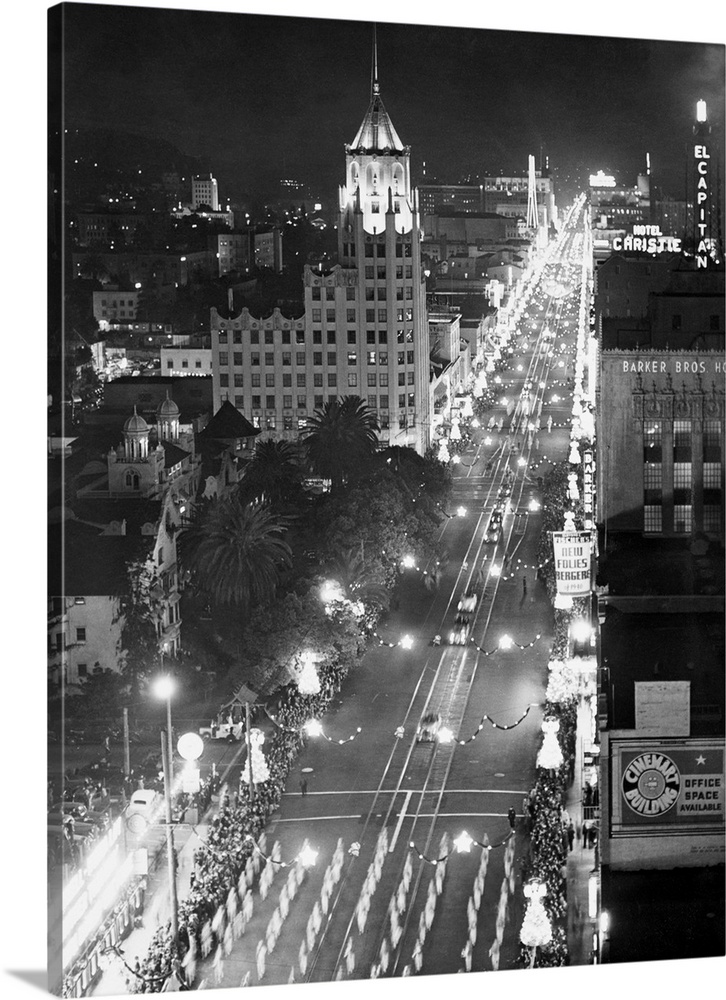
x: 157, y: 909
x: 580, y: 862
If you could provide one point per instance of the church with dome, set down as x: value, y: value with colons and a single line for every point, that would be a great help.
x: 154, y: 458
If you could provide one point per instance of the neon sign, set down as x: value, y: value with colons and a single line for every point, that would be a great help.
x: 701, y: 156
x: 648, y: 239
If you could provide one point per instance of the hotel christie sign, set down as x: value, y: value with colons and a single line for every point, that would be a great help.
x: 649, y: 239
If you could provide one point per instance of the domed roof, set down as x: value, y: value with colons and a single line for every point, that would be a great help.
x: 167, y: 409
x: 136, y: 425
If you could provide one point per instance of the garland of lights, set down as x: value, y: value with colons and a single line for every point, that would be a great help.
x: 307, y: 856
x: 312, y: 728
x: 497, y: 725
x: 462, y: 845
x: 406, y: 642
x: 506, y: 645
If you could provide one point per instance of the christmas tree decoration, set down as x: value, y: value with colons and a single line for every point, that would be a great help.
x: 536, y: 931
x: 550, y: 754
x: 467, y: 409
x: 260, y: 770
x: 443, y: 455
x: 308, y: 681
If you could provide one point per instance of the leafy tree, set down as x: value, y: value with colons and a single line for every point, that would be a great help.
x: 235, y: 553
x: 341, y: 440
x: 140, y: 614
x: 357, y: 580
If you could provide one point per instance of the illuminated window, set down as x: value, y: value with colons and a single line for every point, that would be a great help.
x: 682, y: 518
x: 653, y: 519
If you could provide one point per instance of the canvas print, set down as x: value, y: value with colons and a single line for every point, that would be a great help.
x: 385, y: 501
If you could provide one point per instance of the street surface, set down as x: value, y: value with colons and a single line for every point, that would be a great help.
x: 427, y: 793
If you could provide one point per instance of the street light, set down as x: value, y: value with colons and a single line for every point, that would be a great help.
x: 163, y: 687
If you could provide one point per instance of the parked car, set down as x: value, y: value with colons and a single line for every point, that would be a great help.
x: 141, y: 810
x: 233, y: 732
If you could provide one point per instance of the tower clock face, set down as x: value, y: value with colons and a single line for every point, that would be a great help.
x: 651, y: 784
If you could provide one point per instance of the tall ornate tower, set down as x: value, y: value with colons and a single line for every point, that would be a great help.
x: 380, y: 260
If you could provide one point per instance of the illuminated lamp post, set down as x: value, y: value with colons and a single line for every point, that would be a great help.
x: 164, y: 688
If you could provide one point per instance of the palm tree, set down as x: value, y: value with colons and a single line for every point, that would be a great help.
x: 236, y: 552
x: 356, y: 580
x: 273, y: 474
x: 341, y: 439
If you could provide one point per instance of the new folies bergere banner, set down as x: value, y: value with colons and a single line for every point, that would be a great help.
x: 573, y: 561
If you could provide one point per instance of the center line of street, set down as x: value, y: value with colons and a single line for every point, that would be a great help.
x: 401, y: 816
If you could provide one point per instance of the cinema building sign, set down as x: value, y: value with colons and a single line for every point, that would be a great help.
x: 666, y: 801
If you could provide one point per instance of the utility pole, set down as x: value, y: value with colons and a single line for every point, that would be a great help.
x: 249, y: 750
x: 127, y: 751
x: 171, y: 867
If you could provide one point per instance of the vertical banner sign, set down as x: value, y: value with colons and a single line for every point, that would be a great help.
x: 701, y: 155
x: 587, y: 473
x: 573, y: 560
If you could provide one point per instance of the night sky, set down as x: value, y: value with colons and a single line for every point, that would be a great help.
x: 261, y: 97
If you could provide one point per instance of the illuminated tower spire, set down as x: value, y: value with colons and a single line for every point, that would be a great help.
x: 532, y: 216
x: 374, y: 68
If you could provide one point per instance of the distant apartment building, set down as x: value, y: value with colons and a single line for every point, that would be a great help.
x: 112, y: 306
x: 241, y: 251
x: 205, y: 192
x: 186, y: 361
x: 106, y: 228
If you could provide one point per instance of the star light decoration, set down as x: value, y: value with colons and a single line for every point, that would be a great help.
x: 307, y: 857
x: 462, y: 845
x: 506, y: 642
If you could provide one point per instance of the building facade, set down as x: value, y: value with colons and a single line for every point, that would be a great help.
x: 205, y: 192
x: 660, y: 417
x: 364, y: 331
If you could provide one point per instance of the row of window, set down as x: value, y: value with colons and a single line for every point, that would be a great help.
x: 403, y: 336
x: 185, y: 363
x: 373, y: 291
x: 271, y: 403
x: 377, y: 250
x: 682, y: 518
x: 371, y: 314
x: 372, y: 379
x: 682, y: 433
x: 301, y: 358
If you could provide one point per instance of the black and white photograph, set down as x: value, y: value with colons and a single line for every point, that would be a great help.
x: 385, y: 574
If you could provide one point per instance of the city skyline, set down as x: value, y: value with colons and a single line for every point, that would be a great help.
x: 465, y: 101
x: 415, y: 112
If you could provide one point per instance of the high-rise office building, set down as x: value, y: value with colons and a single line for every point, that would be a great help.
x: 364, y: 331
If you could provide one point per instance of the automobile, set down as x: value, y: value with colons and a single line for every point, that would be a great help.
x: 468, y: 601
x: 494, y: 528
x: 428, y: 727
x: 140, y: 811
x: 460, y: 632
x: 77, y: 810
x: 233, y: 732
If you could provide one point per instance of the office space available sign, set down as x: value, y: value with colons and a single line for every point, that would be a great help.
x: 573, y: 561
x: 662, y: 782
